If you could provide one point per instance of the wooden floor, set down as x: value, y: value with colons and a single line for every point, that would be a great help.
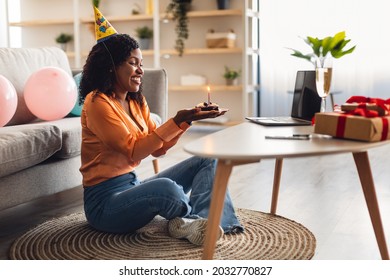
x: 322, y: 193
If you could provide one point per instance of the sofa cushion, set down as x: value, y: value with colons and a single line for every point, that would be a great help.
x: 17, y: 64
x: 71, y: 136
x: 24, y: 146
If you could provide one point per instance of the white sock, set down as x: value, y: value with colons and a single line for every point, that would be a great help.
x: 193, y: 230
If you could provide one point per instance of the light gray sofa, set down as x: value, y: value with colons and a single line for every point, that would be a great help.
x: 39, y: 158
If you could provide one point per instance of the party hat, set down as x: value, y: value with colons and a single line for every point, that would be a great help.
x: 103, y: 28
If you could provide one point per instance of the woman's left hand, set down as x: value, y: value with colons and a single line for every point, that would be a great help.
x: 200, y: 115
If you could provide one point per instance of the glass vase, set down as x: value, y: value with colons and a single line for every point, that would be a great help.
x: 323, y: 79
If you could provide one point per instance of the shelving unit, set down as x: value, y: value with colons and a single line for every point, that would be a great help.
x: 121, y: 18
x: 203, y: 88
x: 41, y: 22
x: 197, y: 58
x: 204, y: 51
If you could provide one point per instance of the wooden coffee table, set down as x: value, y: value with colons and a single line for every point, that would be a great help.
x: 246, y: 143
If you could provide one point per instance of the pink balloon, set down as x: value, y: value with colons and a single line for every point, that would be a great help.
x: 8, y: 100
x: 50, y: 93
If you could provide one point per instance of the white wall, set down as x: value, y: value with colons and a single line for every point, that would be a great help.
x: 364, y: 72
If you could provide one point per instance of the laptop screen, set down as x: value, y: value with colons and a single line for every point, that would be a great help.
x: 306, y: 101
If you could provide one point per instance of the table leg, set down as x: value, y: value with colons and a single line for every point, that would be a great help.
x: 222, y: 174
x: 275, y: 190
x: 156, y: 166
x: 363, y: 166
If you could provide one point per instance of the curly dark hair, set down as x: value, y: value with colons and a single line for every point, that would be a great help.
x: 99, y: 70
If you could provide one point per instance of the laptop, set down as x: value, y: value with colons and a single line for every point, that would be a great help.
x: 306, y: 103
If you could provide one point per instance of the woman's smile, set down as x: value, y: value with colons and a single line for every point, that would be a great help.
x: 136, y: 79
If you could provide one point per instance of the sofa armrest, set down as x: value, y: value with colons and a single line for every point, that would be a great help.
x: 155, y: 90
x: 76, y: 71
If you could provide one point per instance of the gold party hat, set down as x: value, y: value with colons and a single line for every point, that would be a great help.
x: 103, y: 29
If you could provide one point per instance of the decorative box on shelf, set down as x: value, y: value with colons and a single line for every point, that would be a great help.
x: 364, y: 119
x: 193, y: 80
x: 221, y: 39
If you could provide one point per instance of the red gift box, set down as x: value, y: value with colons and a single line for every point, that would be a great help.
x: 353, y: 127
x: 372, y: 104
x: 358, y: 123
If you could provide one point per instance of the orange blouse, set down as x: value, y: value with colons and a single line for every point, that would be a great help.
x: 113, y: 143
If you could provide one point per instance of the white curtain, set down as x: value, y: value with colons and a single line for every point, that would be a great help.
x: 283, y: 24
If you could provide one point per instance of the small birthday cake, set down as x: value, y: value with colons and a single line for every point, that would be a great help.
x: 204, y: 106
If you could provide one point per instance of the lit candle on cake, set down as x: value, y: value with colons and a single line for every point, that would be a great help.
x: 207, y: 106
x: 208, y: 95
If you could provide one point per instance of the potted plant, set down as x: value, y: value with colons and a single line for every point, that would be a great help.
x: 223, y: 4
x: 96, y: 3
x: 331, y: 46
x: 63, y: 39
x: 323, y: 51
x: 231, y: 76
x: 136, y: 9
x: 144, y: 35
x: 178, y: 9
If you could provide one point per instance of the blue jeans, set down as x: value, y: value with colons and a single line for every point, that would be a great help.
x: 125, y: 204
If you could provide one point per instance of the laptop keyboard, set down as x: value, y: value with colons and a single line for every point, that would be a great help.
x: 281, y: 119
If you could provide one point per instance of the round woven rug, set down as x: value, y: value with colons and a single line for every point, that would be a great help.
x: 266, y: 237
